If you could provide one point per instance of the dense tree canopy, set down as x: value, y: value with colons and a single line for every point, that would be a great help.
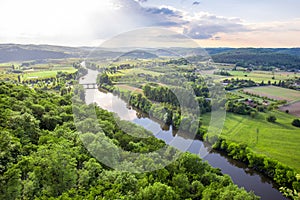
x: 265, y: 59
x: 43, y: 157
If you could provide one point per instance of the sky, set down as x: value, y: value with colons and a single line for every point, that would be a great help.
x: 207, y: 23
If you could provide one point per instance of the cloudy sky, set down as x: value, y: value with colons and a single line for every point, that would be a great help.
x: 210, y: 23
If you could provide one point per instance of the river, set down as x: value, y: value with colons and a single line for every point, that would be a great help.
x: 239, y: 172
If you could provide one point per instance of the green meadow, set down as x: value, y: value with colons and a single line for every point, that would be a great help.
x: 279, y: 140
x: 135, y: 71
x: 274, y: 92
x: 259, y: 76
x: 46, y: 74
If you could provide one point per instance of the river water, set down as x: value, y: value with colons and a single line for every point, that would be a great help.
x: 239, y: 172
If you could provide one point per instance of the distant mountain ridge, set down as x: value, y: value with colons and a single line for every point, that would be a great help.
x: 263, y: 58
x: 287, y: 58
x: 12, y: 52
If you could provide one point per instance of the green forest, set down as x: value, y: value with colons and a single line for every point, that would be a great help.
x: 43, y: 156
x: 265, y: 59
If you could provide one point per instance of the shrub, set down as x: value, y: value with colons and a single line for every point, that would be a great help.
x: 271, y: 118
x: 296, y: 122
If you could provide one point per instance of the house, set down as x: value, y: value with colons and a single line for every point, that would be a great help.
x: 251, y: 103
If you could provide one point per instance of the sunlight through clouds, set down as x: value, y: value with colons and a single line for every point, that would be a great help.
x: 90, y: 22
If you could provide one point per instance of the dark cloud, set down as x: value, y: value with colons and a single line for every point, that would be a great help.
x: 196, y: 3
x: 205, y: 27
x: 162, y: 11
x: 164, y: 16
x: 167, y: 12
x: 132, y: 15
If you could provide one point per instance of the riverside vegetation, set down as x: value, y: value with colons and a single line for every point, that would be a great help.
x: 42, y: 157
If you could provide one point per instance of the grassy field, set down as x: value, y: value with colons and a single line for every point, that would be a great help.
x: 237, y: 94
x: 278, y: 140
x: 47, y: 73
x: 274, y: 92
x: 136, y: 71
x: 39, y: 70
x: 259, y: 76
x: 129, y: 88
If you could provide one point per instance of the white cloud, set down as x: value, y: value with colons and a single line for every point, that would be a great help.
x: 91, y: 22
x: 50, y: 21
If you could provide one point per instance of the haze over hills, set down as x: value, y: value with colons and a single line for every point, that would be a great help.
x: 23, y: 53
x: 284, y: 58
x: 17, y: 52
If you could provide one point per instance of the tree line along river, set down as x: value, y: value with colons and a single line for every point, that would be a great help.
x: 239, y: 172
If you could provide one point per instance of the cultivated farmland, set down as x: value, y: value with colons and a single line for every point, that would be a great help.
x: 293, y: 108
x: 276, y: 93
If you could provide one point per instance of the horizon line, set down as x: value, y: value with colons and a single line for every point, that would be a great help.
x: 124, y: 47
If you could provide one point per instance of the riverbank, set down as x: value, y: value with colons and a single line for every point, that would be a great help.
x: 243, y: 176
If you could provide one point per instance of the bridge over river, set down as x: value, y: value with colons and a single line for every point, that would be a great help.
x: 89, y: 85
